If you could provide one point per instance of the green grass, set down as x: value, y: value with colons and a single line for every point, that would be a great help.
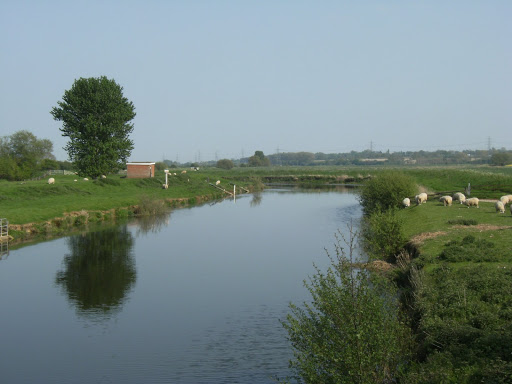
x: 463, y: 303
x: 38, y: 201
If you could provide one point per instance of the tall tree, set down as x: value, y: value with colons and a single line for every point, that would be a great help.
x: 96, y: 118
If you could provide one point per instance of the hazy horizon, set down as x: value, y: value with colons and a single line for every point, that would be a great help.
x: 223, y: 79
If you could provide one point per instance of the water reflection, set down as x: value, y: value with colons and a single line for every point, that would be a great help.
x: 152, y: 224
x: 99, y: 271
x: 256, y: 199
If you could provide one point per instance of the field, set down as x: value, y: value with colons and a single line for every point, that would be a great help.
x: 461, y: 284
x: 38, y: 201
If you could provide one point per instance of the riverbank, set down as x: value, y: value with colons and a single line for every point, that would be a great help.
x: 36, y: 207
x: 456, y: 279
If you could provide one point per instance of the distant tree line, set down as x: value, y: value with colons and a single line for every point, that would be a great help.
x: 497, y: 157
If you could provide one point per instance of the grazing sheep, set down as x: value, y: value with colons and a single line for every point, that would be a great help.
x: 446, y: 200
x: 217, y: 182
x: 406, y: 202
x: 473, y: 202
x: 75, y: 180
x: 51, y: 180
x: 459, y: 196
x: 86, y: 179
x: 504, y: 199
x: 421, y: 198
x: 103, y: 176
x: 183, y: 172
x: 500, y: 207
x: 165, y: 186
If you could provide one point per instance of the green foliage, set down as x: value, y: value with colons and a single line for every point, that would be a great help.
x: 385, y: 191
x: 96, y: 119
x: 501, y: 158
x: 466, y: 325
x: 23, y: 155
x: 351, y: 332
x: 160, y: 166
x: 469, y: 249
x: 383, y: 235
x: 151, y: 206
x: 225, y: 164
x: 259, y: 160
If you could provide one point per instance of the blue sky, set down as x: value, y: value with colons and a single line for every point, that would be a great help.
x: 222, y: 79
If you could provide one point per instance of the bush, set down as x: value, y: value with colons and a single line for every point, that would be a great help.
x: 225, y: 164
x: 386, y: 191
x: 469, y: 249
x: 351, y: 332
x: 383, y: 235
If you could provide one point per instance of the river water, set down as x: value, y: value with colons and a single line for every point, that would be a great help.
x: 191, y: 297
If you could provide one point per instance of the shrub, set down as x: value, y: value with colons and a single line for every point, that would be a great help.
x: 386, y: 191
x: 225, y: 164
x: 151, y: 206
x: 351, y: 332
x: 383, y: 235
x: 469, y: 249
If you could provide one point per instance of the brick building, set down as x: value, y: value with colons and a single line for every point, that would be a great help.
x: 140, y: 170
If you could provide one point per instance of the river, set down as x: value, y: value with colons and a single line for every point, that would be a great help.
x: 191, y: 297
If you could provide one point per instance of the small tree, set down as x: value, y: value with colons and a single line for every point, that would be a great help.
x: 96, y: 118
x: 23, y: 155
x: 385, y: 191
x: 351, y: 332
x: 501, y: 158
x: 225, y: 164
x: 259, y: 160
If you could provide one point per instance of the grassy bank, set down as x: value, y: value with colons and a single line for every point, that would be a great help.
x: 36, y: 207
x: 460, y: 283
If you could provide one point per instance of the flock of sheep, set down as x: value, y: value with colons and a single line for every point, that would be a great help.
x: 471, y: 202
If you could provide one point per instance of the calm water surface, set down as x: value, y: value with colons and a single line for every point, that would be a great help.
x: 193, y: 297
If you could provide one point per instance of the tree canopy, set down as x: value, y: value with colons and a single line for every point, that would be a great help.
x: 96, y: 118
x: 259, y: 160
x: 22, y: 155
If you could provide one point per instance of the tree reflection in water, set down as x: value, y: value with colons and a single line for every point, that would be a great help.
x: 256, y: 199
x: 152, y: 223
x: 99, y: 271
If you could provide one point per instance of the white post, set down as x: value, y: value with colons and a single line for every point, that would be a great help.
x: 166, y: 175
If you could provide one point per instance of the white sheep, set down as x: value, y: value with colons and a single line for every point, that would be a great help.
x: 103, y: 176
x: 51, y: 180
x: 473, y: 202
x: 421, y: 198
x: 446, y: 200
x: 86, y: 179
x: 406, y: 202
x: 217, y: 182
x: 165, y: 186
x: 183, y: 172
x: 459, y: 196
x: 504, y: 199
x: 500, y: 207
